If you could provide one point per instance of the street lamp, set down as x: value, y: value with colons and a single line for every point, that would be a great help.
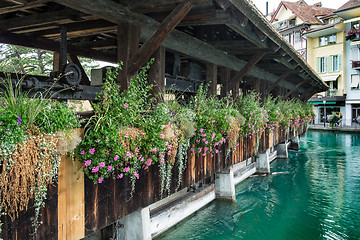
x: 324, y: 101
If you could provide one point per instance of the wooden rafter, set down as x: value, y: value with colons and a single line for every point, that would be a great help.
x: 164, y: 29
x: 295, y: 88
x: 275, y: 84
x: 56, y: 17
x: 33, y: 42
x: 23, y: 6
x: 246, y: 69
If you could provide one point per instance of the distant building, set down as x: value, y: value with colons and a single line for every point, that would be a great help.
x: 292, y: 19
x: 326, y: 54
x: 350, y: 12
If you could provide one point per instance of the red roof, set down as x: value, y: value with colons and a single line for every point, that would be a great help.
x: 349, y: 4
x: 307, y: 13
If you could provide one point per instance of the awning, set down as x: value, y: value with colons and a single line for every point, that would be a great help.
x: 328, y: 78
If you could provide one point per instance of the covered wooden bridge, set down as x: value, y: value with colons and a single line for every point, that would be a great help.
x: 226, y: 43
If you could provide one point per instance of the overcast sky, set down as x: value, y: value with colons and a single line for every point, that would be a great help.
x: 273, y: 4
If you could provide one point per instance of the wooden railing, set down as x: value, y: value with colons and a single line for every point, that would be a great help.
x: 76, y: 207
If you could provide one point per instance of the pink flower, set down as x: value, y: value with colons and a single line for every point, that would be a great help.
x: 102, y: 164
x: 107, y: 139
x: 120, y: 176
x: 126, y: 105
x: 149, y: 161
x: 212, y: 137
x: 162, y: 136
x: 82, y: 152
x: 201, y: 130
x: 110, y: 168
x: 206, y: 148
x: 213, y: 121
x: 204, y: 139
x: 126, y: 169
x: 98, y: 140
x: 95, y: 169
x: 206, y: 142
x: 126, y: 135
x: 136, y: 175
x: 192, y: 150
x: 92, y: 151
x: 87, y: 163
x: 217, y: 151
x: 100, y: 180
x: 116, y: 157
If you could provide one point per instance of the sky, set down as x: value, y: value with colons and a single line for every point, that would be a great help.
x: 273, y: 4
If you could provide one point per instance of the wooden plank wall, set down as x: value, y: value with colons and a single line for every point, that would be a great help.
x: 77, y: 208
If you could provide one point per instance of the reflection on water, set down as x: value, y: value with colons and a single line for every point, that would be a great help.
x: 318, y: 199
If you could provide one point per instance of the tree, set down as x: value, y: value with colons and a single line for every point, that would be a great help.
x: 32, y: 61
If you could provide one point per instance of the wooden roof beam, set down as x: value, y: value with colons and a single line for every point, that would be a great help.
x: 22, y: 6
x: 56, y: 17
x: 164, y: 30
x: 246, y: 69
x: 275, y: 84
x: 34, y: 42
x: 217, y: 17
x: 151, y: 6
x: 295, y: 88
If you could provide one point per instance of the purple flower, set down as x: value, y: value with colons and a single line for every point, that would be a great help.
x: 87, y: 163
x: 82, y: 152
x: 19, y: 120
x: 110, y: 168
x: 92, y: 151
x: 95, y: 169
x: 100, y: 180
x: 102, y: 164
x: 126, y: 169
x: 116, y: 157
x: 120, y: 176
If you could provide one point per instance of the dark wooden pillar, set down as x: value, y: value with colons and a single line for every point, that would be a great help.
x: 211, y: 78
x: 128, y: 36
x: 257, y: 83
x: 56, y: 62
x: 157, y: 73
x: 225, y: 78
x: 235, y: 90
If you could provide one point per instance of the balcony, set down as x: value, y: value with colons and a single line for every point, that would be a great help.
x: 355, y: 65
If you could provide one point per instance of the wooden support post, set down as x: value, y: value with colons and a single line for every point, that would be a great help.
x: 280, y: 79
x: 257, y: 85
x: 157, y: 74
x: 56, y: 62
x: 225, y: 78
x: 63, y: 46
x: 71, y: 199
x: 84, y: 78
x: 128, y: 36
x: 164, y: 30
x: 295, y: 88
x: 211, y: 77
x: 235, y: 90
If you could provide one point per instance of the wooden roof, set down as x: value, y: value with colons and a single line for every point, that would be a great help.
x: 228, y: 33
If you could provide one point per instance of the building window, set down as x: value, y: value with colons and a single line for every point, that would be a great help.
x: 326, y: 40
x: 354, y: 81
x: 335, y: 63
x: 297, y: 41
x: 322, y: 64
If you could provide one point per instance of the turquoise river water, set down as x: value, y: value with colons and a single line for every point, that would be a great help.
x: 319, y: 198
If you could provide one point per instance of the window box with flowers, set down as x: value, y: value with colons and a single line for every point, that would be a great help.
x: 353, y: 34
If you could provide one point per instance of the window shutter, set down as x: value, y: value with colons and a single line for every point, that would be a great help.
x: 339, y: 62
x: 326, y: 64
x: 331, y: 60
x: 318, y: 63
